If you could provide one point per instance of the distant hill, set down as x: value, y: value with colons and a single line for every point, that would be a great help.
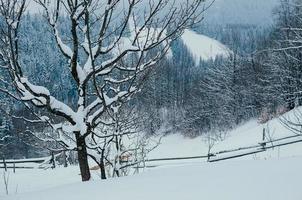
x: 203, y: 47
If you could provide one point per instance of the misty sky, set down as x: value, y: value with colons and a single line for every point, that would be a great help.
x: 242, y: 11
x: 230, y: 11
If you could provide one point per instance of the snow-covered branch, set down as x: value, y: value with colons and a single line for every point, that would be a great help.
x: 110, y: 48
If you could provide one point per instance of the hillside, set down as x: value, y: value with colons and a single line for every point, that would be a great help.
x: 247, y: 134
x: 150, y: 100
x: 203, y: 47
x: 272, y: 175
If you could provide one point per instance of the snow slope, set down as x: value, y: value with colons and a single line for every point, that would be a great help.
x: 248, y: 180
x: 271, y: 175
x: 203, y: 47
x: 247, y: 134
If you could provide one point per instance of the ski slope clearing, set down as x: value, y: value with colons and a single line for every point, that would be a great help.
x: 232, y: 180
x: 203, y: 47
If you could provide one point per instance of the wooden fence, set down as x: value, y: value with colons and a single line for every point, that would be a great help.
x: 212, y: 157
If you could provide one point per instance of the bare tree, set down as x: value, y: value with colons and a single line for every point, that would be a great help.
x: 122, y: 144
x: 110, y: 50
x: 284, y: 60
x: 130, y: 145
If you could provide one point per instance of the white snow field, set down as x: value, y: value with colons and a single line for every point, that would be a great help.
x: 271, y: 175
x: 234, y: 180
x: 203, y: 47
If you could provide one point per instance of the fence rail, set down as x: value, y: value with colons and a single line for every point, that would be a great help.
x: 34, y: 160
x: 178, y: 158
x: 254, y: 149
x: 211, y: 157
x: 16, y: 167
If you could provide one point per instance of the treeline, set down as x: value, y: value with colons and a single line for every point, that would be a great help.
x: 260, y: 79
x: 211, y: 96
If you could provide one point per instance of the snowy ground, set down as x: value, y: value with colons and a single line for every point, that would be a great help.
x: 271, y: 175
x: 231, y: 180
x: 247, y: 134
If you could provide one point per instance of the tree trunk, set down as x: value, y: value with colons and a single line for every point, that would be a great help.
x: 103, y: 172
x: 83, y: 158
x: 102, y: 167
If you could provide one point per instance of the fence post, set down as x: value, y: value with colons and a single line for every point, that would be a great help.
x: 65, y: 158
x: 263, y: 139
x: 4, y: 164
x: 53, y: 160
x: 263, y: 135
x: 14, y: 167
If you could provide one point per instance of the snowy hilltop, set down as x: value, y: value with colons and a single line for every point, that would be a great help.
x: 203, y: 47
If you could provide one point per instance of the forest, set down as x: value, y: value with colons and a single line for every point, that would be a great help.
x: 260, y: 79
x: 150, y: 99
x: 109, y: 101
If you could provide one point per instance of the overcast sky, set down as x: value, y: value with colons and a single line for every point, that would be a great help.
x: 225, y: 11
x: 242, y: 11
